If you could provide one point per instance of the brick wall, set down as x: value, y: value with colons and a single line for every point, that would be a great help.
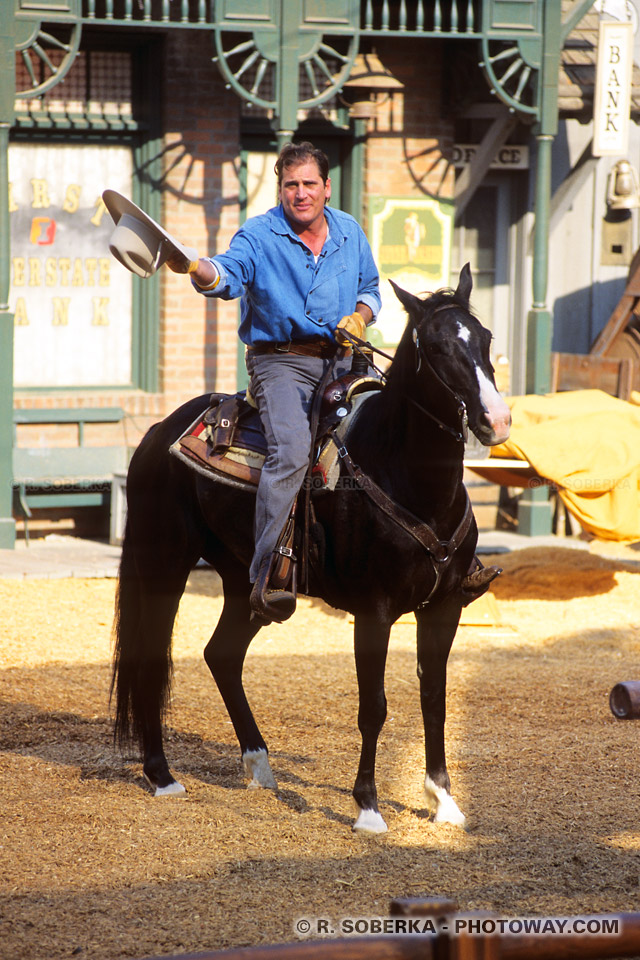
x: 198, y: 343
x: 408, y: 139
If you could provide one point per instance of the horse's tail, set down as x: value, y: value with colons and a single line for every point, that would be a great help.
x: 142, y: 662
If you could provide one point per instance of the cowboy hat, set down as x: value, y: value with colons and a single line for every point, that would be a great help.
x: 138, y: 242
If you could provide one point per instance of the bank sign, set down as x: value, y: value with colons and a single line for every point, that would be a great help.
x: 71, y: 300
x: 612, y: 102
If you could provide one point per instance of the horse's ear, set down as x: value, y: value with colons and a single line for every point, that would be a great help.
x: 409, y: 301
x: 465, y: 284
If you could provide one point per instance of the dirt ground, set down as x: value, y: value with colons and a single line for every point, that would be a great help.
x: 94, y: 866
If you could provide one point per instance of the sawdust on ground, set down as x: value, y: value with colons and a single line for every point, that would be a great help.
x: 93, y: 866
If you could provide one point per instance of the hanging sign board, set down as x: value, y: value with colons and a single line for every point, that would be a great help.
x: 612, y: 102
x: 411, y: 244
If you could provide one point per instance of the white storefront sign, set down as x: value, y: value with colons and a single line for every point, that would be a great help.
x: 612, y: 104
x: 71, y: 300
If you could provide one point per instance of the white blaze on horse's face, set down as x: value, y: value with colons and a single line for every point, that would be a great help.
x: 496, y: 410
x: 463, y: 332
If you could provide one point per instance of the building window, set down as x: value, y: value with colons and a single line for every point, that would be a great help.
x: 81, y: 320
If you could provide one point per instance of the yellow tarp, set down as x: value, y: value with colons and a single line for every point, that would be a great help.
x: 588, y: 444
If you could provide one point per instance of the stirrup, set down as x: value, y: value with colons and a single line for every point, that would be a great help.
x: 271, y: 600
x: 478, y: 579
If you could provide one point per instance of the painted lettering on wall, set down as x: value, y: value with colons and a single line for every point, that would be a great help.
x: 509, y: 157
x: 36, y: 270
x: 71, y: 300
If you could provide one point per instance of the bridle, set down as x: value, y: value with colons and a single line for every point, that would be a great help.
x: 460, y: 435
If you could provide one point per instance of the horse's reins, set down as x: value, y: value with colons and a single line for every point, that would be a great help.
x: 440, y: 551
x: 359, y: 345
x: 314, y: 419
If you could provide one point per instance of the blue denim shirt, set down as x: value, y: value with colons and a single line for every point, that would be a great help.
x: 285, y: 294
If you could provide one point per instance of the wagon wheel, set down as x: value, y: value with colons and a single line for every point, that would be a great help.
x: 249, y: 65
x: 509, y: 67
x: 47, y: 52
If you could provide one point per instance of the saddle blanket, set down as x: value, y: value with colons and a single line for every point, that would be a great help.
x: 227, y: 443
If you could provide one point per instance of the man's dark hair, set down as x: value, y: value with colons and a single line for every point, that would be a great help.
x: 293, y: 154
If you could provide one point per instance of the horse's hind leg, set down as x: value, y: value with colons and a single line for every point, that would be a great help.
x: 149, y: 590
x: 371, y: 637
x: 162, y: 543
x: 436, y: 630
x: 225, y: 654
x: 160, y: 609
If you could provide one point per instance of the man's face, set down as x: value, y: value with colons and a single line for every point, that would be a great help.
x: 303, y: 194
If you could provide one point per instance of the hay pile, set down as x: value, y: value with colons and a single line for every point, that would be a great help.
x: 94, y: 867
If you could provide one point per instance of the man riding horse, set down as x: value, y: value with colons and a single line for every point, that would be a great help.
x: 399, y: 537
x: 308, y: 283
x: 305, y: 274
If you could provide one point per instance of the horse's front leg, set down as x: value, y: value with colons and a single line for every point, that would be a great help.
x: 437, y: 627
x: 371, y: 644
x: 225, y: 654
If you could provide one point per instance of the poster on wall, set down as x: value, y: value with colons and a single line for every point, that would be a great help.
x: 411, y: 243
x: 262, y: 193
x: 70, y: 298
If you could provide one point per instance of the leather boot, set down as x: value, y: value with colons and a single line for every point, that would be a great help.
x: 478, y: 579
x: 272, y: 600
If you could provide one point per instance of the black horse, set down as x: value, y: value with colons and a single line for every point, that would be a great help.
x: 399, y: 537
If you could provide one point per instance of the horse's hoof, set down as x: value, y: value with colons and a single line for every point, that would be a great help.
x: 442, y: 806
x: 173, y: 789
x: 369, y: 822
x: 258, y: 769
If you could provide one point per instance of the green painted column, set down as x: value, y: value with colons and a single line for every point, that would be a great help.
x: 355, y: 168
x: 534, y: 509
x: 539, y: 321
x: 7, y: 107
x: 287, y: 72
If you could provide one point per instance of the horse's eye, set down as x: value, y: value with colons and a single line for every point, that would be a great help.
x: 439, y: 348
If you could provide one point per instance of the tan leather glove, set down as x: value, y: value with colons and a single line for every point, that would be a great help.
x: 353, y: 324
x: 179, y: 264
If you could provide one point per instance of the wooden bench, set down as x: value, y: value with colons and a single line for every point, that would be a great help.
x: 504, y: 472
x: 69, y: 476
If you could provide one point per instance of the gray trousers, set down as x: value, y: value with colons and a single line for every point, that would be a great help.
x: 283, y: 385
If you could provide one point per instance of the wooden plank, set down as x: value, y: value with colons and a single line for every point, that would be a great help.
x: 620, y: 316
x: 633, y: 282
x: 64, y: 498
x: 70, y: 415
x: 504, y: 472
x: 572, y: 371
x: 40, y: 464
